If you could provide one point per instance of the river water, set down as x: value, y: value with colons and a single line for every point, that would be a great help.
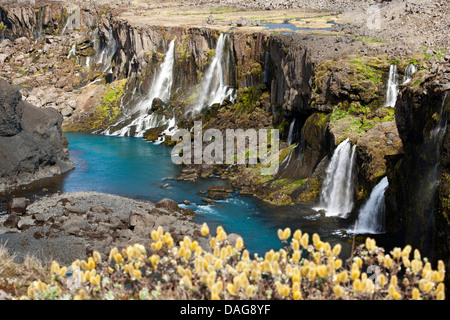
x: 135, y: 168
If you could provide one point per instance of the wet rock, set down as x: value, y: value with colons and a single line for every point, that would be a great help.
x: 186, y: 202
x: 209, y: 201
x: 218, y: 195
x: 74, y: 225
x: 18, y: 205
x: 167, y: 204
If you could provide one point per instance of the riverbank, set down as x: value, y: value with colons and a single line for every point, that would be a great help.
x: 71, y: 226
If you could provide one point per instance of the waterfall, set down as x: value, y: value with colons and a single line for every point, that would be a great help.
x: 392, y: 87
x: 108, y: 52
x: 291, y: 132
x: 409, y: 70
x: 213, y: 88
x: 337, y: 189
x: 371, y: 215
x: 73, y: 51
x: 160, y: 88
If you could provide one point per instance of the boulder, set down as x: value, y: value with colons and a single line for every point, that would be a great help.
x: 168, y: 204
x: 18, y: 205
x: 11, y: 221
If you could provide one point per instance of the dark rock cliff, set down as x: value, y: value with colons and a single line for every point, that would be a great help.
x: 32, y: 145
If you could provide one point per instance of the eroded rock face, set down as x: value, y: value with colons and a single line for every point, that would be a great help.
x: 412, y: 199
x: 32, y: 145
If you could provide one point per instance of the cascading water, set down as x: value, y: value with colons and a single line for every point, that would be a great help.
x: 371, y: 215
x: 213, y: 88
x: 337, y: 189
x: 392, y: 87
x: 160, y: 88
x: 290, y: 138
x: 409, y: 71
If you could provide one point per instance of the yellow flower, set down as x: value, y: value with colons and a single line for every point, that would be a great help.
x: 416, y: 266
x: 286, y: 233
x: 396, y: 295
x: 338, y: 291
x: 337, y: 249
x: 315, y: 238
x: 249, y: 292
x: 185, y: 281
x: 440, y: 287
x: 416, y: 254
x: 62, y: 271
x: 397, y: 253
x: 55, y: 267
x: 440, y: 295
x: 231, y: 289
x: 215, y: 296
x: 406, y: 251
x: 441, y: 265
x: 322, y: 271
x: 342, y: 277
x: 297, y: 235
x: 218, y: 264
x: 358, y: 261
x: 357, y: 285
x: 154, y: 260
x: 382, y: 280
x: 387, y: 261
x: 370, y: 244
x: 297, y: 295
x: 394, y: 281
x: 304, y: 240
x: 239, y: 243
x: 118, y: 258
x: 97, y: 257
x: 415, y: 294
x: 91, y: 263
x: 311, y: 274
x: 154, y: 235
x: 406, y: 261
x: 354, y: 272
x: 204, y: 230
x: 296, y: 256
x: 80, y: 296
x: 338, y: 263
x: 222, y: 235
x: 95, y: 280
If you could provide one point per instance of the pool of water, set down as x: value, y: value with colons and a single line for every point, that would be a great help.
x: 290, y: 26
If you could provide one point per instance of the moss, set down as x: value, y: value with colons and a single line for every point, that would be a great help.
x: 247, y: 98
x: 312, y: 192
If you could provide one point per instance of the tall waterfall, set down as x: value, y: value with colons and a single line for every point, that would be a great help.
x: 213, y: 88
x: 337, y: 189
x: 291, y: 132
x: 371, y: 215
x: 108, y: 52
x: 409, y: 70
x: 160, y: 88
x: 392, y: 87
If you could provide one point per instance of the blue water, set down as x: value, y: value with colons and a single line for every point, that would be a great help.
x: 290, y: 26
x: 134, y: 168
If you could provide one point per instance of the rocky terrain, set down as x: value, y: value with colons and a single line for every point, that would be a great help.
x: 31, y: 141
x: 69, y: 226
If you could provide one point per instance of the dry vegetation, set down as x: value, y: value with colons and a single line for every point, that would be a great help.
x: 301, y: 270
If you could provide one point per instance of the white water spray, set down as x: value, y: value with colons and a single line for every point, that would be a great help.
x: 291, y: 132
x: 213, y: 88
x: 392, y: 87
x: 371, y: 217
x: 409, y: 71
x: 160, y: 88
x: 337, y: 189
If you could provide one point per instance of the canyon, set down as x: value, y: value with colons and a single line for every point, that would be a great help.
x: 331, y: 86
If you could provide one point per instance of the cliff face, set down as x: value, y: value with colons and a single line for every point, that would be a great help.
x: 32, y: 145
x: 415, y: 177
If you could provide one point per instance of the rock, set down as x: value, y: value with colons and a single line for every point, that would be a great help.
x: 32, y: 142
x: 11, y: 221
x: 18, y: 205
x: 220, y: 189
x: 218, y: 195
x: 25, y: 223
x: 186, y: 202
x: 98, y: 209
x: 75, y: 209
x: 209, y: 201
x: 67, y: 111
x: 166, y: 186
x: 74, y: 225
x: 22, y: 41
x: 232, y: 237
x: 203, y: 191
x: 168, y: 204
